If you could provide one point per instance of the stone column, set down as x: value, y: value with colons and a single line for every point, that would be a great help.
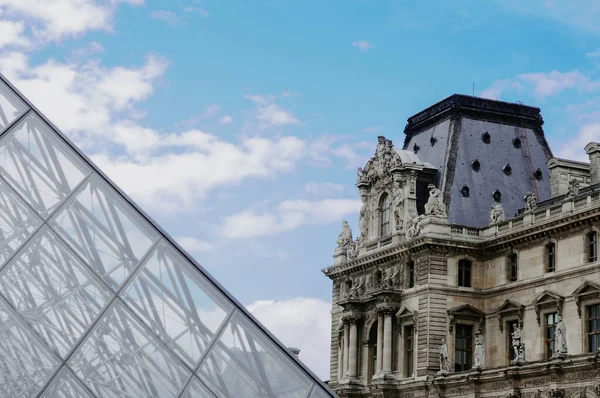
x: 345, y: 355
x: 387, y: 343
x: 379, y: 343
x: 353, y: 352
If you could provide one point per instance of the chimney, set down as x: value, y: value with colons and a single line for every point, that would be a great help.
x: 593, y: 151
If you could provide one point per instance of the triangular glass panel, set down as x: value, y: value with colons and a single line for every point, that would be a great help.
x: 39, y: 165
x: 26, y: 364
x: 65, y: 385
x: 196, y: 390
x: 11, y: 107
x: 90, y: 284
x: 245, y: 364
x: 53, y: 291
x: 17, y: 222
x: 177, y: 303
x: 105, y: 231
x: 121, y: 359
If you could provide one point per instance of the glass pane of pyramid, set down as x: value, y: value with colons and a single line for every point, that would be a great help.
x: 35, y: 161
x: 245, y: 364
x: 177, y: 303
x: 120, y: 358
x: 196, y: 390
x: 65, y: 385
x: 17, y: 222
x: 53, y: 291
x: 105, y: 231
x: 25, y: 363
x: 11, y: 107
x: 149, y: 340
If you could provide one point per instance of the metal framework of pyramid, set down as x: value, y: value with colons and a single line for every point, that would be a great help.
x: 96, y: 300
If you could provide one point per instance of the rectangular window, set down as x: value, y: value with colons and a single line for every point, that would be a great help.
x: 409, y: 337
x: 513, y: 267
x: 510, y: 327
x: 592, y: 246
x: 463, y: 348
x: 549, y: 334
x: 551, y: 257
x: 411, y: 274
x: 464, y: 273
x: 593, y: 327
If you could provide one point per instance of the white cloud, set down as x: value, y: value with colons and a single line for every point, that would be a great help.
x: 323, y: 188
x: 200, y: 11
x: 300, y: 322
x: 371, y: 129
x: 226, y: 120
x: 593, y: 54
x: 573, y: 148
x: 542, y: 85
x: 166, y: 16
x: 288, y: 215
x: 54, y: 20
x: 12, y: 34
x: 273, y: 116
x: 362, y: 45
x: 194, y: 245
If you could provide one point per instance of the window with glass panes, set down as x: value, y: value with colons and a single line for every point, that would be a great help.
x: 513, y: 267
x: 593, y: 327
x: 385, y: 215
x: 463, y: 348
x: 464, y: 272
x: 549, y: 334
x: 550, y: 257
x: 409, y: 337
x: 592, y: 241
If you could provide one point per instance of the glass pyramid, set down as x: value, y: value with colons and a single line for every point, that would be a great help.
x: 97, y: 301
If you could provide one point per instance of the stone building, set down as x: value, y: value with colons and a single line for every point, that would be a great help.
x: 475, y: 272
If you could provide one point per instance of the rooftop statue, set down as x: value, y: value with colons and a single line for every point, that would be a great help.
x: 345, y: 236
x: 573, y: 188
x: 435, y: 206
x: 378, y: 167
x: 530, y: 201
x: 496, y: 214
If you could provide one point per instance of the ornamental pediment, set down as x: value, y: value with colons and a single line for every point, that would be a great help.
x: 587, y: 290
x: 466, y: 310
x: 547, y: 300
x: 508, y: 309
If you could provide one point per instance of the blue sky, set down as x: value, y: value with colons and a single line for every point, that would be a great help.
x: 238, y: 125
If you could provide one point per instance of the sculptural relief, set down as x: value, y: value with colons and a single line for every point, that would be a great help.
x: 345, y: 235
x: 362, y: 222
x: 496, y: 214
x: 435, y: 206
x: 413, y: 227
x: 398, y: 202
x: 479, y: 353
x: 391, y: 278
x: 357, y: 287
x: 573, y: 189
x: 444, y: 359
x: 530, y: 201
x: 378, y: 167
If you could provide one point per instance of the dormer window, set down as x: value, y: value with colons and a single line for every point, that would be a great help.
x: 384, y: 205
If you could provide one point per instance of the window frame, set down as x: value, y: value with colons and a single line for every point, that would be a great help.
x: 591, y: 252
x: 513, y: 265
x: 586, y: 323
x: 385, y: 220
x: 550, y: 257
x: 410, y: 266
x: 549, y: 352
x: 461, y: 271
x: 409, y: 347
x: 468, y: 349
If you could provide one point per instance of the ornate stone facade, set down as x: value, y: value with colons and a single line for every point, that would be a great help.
x: 423, y: 307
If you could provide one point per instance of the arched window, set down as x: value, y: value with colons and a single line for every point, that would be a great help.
x: 592, y: 246
x: 513, y: 267
x: 464, y: 272
x: 384, y: 205
x: 550, y: 257
x: 372, y: 351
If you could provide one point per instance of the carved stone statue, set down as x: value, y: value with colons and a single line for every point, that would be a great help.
x: 413, y: 227
x: 479, y: 354
x: 444, y: 359
x: 352, y: 249
x: 345, y: 236
x: 369, y: 282
x: 560, y: 337
x: 573, y: 188
x: 398, y: 200
x: 391, y: 278
x: 357, y: 286
x: 496, y: 214
x: 362, y: 222
x: 435, y: 206
x: 530, y: 201
x: 378, y: 167
x: 517, y: 344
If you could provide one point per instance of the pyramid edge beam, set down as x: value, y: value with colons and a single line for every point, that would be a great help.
x: 168, y: 238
